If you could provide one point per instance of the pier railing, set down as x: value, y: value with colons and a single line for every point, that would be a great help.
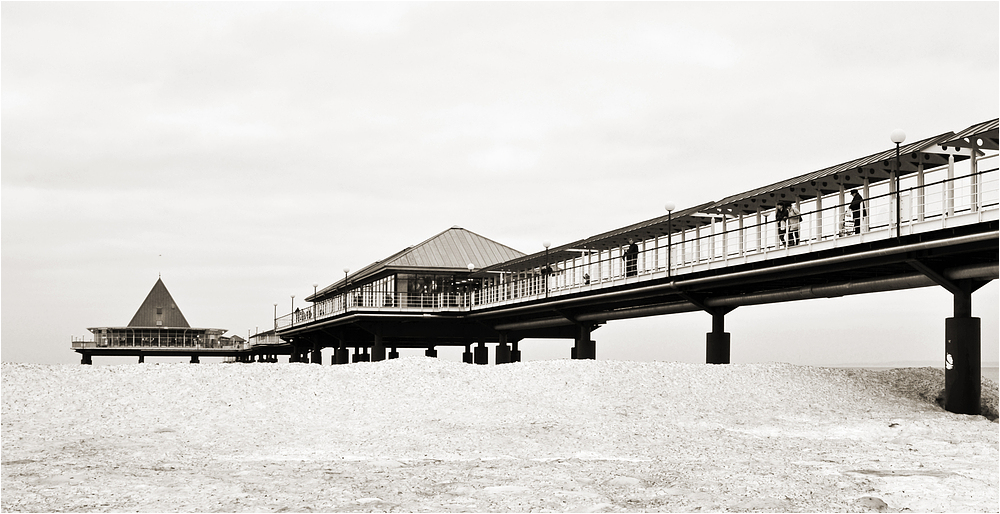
x: 931, y: 200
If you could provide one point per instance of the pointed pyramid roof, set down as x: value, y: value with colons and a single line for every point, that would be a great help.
x: 158, y: 310
x: 451, y: 250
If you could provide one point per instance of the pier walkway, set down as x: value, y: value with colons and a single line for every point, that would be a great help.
x: 926, y: 216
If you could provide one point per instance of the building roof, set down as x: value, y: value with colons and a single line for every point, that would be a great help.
x: 449, y: 251
x: 158, y: 310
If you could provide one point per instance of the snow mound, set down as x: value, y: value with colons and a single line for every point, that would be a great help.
x: 426, y: 434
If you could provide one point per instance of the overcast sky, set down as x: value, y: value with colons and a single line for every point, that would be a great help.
x: 246, y: 151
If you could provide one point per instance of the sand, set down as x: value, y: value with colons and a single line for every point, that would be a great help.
x: 420, y: 434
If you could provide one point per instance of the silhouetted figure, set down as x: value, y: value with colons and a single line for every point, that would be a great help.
x: 781, y: 216
x: 858, y: 209
x: 631, y: 258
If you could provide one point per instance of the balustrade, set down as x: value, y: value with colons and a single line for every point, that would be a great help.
x: 926, y: 196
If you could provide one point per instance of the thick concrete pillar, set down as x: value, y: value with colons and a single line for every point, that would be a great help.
x: 515, y: 354
x: 85, y: 358
x: 195, y: 359
x: 431, y: 352
x: 717, y: 341
x: 503, y: 351
x: 378, y: 347
x: 393, y: 353
x: 584, y: 347
x: 317, y: 354
x: 482, y: 354
x: 963, y: 355
x: 467, y: 354
x: 343, y: 354
x: 142, y: 358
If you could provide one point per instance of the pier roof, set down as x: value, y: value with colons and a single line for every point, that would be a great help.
x: 159, y: 310
x: 449, y: 251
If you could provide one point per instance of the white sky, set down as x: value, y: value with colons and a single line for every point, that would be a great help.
x: 249, y: 150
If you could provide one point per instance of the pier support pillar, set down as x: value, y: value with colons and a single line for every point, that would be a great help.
x: 317, y: 354
x: 85, y: 358
x: 515, y: 354
x: 584, y: 347
x: 378, y: 347
x: 503, y: 351
x: 717, y: 341
x: 195, y: 359
x: 393, y: 353
x: 467, y: 354
x: 142, y: 358
x: 342, y: 355
x: 431, y: 352
x: 963, y: 354
x: 482, y: 354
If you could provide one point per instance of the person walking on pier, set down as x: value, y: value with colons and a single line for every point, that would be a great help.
x: 781, y: 216
x: 857, y: 209
x: 631, y: 258
x: 794, y: 217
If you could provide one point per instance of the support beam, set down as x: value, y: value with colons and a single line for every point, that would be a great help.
x: 717, y: 341
x: 584, y: 347
x: 86, y: 358
x: 963, y: 355
x: 317, y: 355
x: 482, y: 354
x: 503, y: 353
x: 142, y: 358
x: 431, y: 352
x: 195, y: 359
x: 467, y: 354
x: 378, y: 347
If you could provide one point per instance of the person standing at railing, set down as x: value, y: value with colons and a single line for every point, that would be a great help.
x: 631, y: 258
x: 858, y: 209
x: 794, y: 217
x: 781, y: 216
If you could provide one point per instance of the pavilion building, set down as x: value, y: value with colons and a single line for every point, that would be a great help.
x: 158, y: 328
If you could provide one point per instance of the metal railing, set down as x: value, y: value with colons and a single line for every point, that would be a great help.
x: 151, y: 344
x: 928, y: 201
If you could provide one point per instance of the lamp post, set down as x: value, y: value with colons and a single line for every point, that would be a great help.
x: 276, y: 318
x: 468, y: 286
x: 346, y: 270
x: 545, y: 270
x: 293, y: 309
x: 897, y: 136
x: 314, y: 300
x: 670, y: 211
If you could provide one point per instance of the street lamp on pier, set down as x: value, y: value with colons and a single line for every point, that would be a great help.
x: 670, y: 211
x: 545, y: 270
x: 346, y: 270
x: 314, y: 300
x: 897, y: 136
x: 275, y: 318
x: 293, y: 309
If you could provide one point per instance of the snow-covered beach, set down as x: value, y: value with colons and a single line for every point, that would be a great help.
x: 421, y: 434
